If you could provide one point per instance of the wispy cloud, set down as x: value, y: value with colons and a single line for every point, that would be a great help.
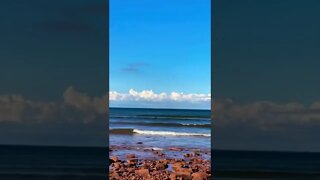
x: 81, y: 108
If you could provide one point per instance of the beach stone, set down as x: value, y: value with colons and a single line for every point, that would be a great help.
x: 172, y: 168
x: 178, y: 165
x: 161, y: 166
x: 142, y: 172
x: 197, y: 160
x: 184, y: 170
x: 187, y: 155
x: 132, y: 162
x: 173, y: 176
x: 115, y: 158
x: 130, y: 170
x: 197, y: 167
x: 165, y: 161
x: 130, y: 156
x: 175, y: 149
x: 116, y: 165
x: 196, y: 153
x: 186, y: 175
x: 199, y: 176
x: 159, y: 153
x: 121, y: 170
x: 111, y: 161
x: 114, y: 175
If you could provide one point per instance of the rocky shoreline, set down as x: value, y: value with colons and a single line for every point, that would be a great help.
x: 191, y: 166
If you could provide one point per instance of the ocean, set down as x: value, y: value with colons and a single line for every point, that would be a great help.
x: 160, y: 128
x: 52, y: 163
x: 232, y: 165
x: 72, y: 163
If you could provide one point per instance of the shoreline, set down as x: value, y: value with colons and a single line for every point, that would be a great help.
x: 138, y: 161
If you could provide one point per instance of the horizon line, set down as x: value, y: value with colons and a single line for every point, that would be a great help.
x: 159, y: 108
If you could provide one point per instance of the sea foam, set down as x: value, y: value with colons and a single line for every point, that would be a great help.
x: 168, y: 133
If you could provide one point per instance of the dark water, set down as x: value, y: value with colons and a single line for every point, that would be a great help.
x: 265, y: 165
x: 40, y: 162
x: 160, y: 127
x: 59, y: 163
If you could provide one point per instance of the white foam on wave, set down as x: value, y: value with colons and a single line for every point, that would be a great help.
x: 168, y: 133
x: 193, y: 124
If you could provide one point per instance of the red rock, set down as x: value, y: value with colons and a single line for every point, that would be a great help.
x: 193, y: 167
x: 176, y: 149
x: 115, y: 158
x: 184, y: 170
x: 187, y: 155
x: 159, y: 153
x: 199, y: 176
x: 186, y: 175
x: 178, y: 165
x: 164, y: 161
x: 130, y: 156
x: 110, y: 161
x: 173, y: 176
x: 161, y: 166
x: 132, y: 162
x: 131, y: 170
x: 121, y: 169
x: 142, y: 172
x: 114, y: 175
x: 116, y: 165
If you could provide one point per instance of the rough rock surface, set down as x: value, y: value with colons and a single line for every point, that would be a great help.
x: 190, y: 167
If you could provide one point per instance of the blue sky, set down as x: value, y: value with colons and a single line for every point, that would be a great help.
x: 160, y: 46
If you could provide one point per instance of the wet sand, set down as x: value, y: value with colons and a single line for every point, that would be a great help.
x: 139, y: 162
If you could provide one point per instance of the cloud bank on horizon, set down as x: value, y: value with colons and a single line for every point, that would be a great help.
x: 149, y: 98
x: 258, y: 125
x: 266, y: 125
x: 75, y: 107
x: 81, y: 108
x: 78, y: 119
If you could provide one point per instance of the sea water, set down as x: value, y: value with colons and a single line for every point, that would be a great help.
x: 160, y: 128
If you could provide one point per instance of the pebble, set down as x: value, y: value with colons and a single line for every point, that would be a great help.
x: 191, y: 168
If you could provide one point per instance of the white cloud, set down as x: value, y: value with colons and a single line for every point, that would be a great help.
x: 149, y: 95
x: 75, y: 107
x: 266, y: 115
x: 12, y: 107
